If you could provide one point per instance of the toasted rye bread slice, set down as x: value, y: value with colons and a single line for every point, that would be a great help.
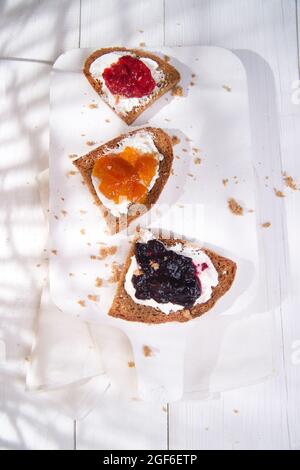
x: 172, y: 77
x: 86, y: 163
x: 124, y: 306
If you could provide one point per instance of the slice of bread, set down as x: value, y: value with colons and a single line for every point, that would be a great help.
x: 171, y: 78
x: 124, y: 306
x: 86, y: 163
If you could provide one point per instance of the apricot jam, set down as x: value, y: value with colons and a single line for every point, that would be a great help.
x: 126, y: 174
x: 129, y: 77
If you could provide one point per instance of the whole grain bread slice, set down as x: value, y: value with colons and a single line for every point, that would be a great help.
x: 171, y: 78
x: 86, y: 163
x: 124, y: 306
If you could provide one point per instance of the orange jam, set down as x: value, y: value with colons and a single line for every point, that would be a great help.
x: 126, y: 174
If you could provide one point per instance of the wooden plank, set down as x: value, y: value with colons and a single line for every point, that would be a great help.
x: 267, y: 28
x: 24, y: 104
x: 114, y: 424
x: 39, y: 29
x: 121, y: 22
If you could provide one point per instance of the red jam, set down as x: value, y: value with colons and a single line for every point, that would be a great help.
x: 129, y: 77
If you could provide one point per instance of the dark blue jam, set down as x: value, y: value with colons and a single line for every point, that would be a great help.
x: 165, y: 276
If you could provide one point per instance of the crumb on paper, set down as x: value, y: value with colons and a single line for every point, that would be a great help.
x: 82, y: 211
x: 82, y: 231
x: 71, y: 274
x: 193, y: 75
x: 98, y: 282
x: 235, y: 207
x: 289, y: 182
x: 164, y: 409
x: 83, y: 183
x: 62, y: 198
x: 192, y: 83
x: 56, y: 217
x: 177, y: 157
x: 54, y: 252
x: 81, y: 303
x: 175, y: 140
x: 184, y: 150
x: 141, y: 30
x: 93, y: 257
x: 71, y: 173
x: 93, y: 106
x: 197, y: 161
x: 167, y: 58
x: 104, y: 252
x: 92, y: 297
x: 191, y: 175
x: 206, y: 429
x: 225, y: 182
x: 147, y: 351
x: 131, y: 364
x: 107, y: 120
x: 236, y: 412
x: 266, y: 224
x: 116, y: 270
x: 278, y: 193
x: 64, y: 213
x: 177, y: 91
x: 250, y: 211
x: 90, y: 143
x: 73, y: 155
x: 38, y: 265
x: 142, y: 44
x: 195, y: 150
x: 227, y: 88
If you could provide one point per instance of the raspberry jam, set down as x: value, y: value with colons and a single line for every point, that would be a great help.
x: 166, y: 276
x: 129, y: 77
x: 125, y: 175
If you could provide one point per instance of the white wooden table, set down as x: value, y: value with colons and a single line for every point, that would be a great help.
x: 262, y: 32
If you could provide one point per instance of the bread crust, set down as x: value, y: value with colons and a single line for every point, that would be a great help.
x: 172, y: 77
x: 124, y: 306
x: 86, y: 163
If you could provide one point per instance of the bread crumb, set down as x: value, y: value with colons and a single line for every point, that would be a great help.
x: 81, y: 303
x: 225, y: 181
x: 107, y: 251
x: 191, y: 175
x: 71, y: 173
x: 250, y: 210
x: 177, y: 157
x: 73, y: 155
x: 197, y: 161
x: 116, y: 270
x: 71, y: 274
x: 93, y: 106
x: 195, y: 149
x: 164, y: 408
x: 62, y: 198
x: 38, y: 265
x: 64, y: 212
x: 266, y: 224
x: 94, y: 298
x: 167, y: 58
x: 192, y: 83
x: 93, y: 257
x: 289, y: 182
x: 107, y: 120
x: 56, y: 217
x: 235, y: 207
x: 82, y: 211
x: 147, y: 351
x: 90, y: 142
x: 193, y: 75
x: 184, y: 150
x: 236, y: 412
x: 175, y: 140
x: 54, y: 252
x: 227, y: 88
x: 142, y: 44
x: 98, y: 282
x: 131, y: 364
x: 278, y: 193
x: 82, y: 231
x: 177, y: 91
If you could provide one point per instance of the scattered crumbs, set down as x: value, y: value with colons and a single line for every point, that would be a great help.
x: 93, y: 257
x: 147, y: 351
x: 94, y: 298
x: 177, y: 157
x: 235, y: 207
x: 236, y: 412
x: 93, y: 106
x: 193, y: 75
x: 177, y: 91
x: 38, y: 265
x: 131, y: 364
x: 195, y: 149
x: 90, y: 142
x: 227, y: 88
x: 278, y: 193
x: 71, y: 173
x: 56, y: 217
x: 142, y: 44
x: 289, y: 182
x: 104, y: 252
x: 54, y: 252
x: 197, y: 161
x: 107, y: 120
x: 71, y: 274
x: 164, y: 408
x: 64, y: 213
x: 82, y: 231
x: 73, y: 155
x: 62, y: 198
x: 175, y: 140
x: 225, y: 181
x: 82, y: 211
x: 167, y: 58
x: 98, y: 282
x: 191, y: 175
x: 116, y: 270
x: 192, y: 83
x: 81, y: 303
x: 184, y: 150
x: 266, y: 224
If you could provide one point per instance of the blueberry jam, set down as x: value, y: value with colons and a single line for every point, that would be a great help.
x: 166, y: 276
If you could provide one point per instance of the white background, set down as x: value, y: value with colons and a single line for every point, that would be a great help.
x: 264, y: 34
